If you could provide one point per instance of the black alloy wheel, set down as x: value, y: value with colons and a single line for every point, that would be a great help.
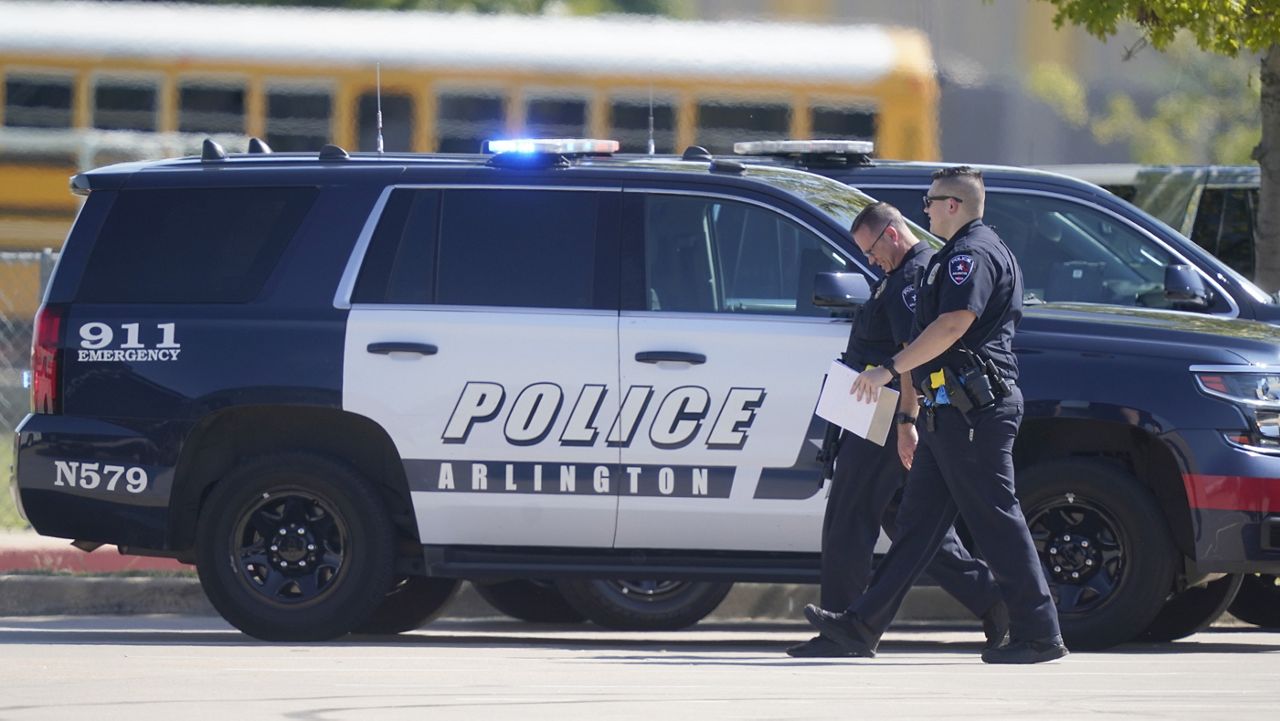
x: 1193, y: 610
x: 413, y: 602
x: 1104, y: 546
x: 643, y: 605
x: 1258, y: 601
x: 294, y: 547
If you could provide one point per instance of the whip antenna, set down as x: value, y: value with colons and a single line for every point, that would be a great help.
x: 651, y: 145
x: 379, y: 83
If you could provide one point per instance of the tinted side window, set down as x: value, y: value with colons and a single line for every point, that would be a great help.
x: 708, y: 255
x: 399, y: 266
x: 195, y: 245
x: 1224, y: 225
x: 530, y: 248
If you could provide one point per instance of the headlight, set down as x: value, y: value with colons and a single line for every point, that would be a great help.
x: 1259, y: 393
x: 1255, y: 389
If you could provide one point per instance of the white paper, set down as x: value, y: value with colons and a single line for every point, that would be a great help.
x: 837, y: 405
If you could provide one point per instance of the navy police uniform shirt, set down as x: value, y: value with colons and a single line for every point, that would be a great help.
x: 884, y: 323
x: 974, y: 271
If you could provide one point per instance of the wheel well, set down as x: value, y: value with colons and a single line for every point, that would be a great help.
x: 225, y: 439
x: 1137, y: 451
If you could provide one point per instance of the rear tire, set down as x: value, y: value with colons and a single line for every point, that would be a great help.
x: 294, y: 547
x: 643, y: 605
x: 528, y: 600
x: 1258, y: 601
x: 1104, y: 546
x: 411, y: 604
x: 1193, y: 610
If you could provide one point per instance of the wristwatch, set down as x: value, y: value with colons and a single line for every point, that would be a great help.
x: 905, y: 419
x: 888, y: 365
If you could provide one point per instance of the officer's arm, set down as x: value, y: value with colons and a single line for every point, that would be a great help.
x: 934, y: 340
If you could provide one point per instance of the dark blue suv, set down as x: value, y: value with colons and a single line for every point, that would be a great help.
x: 338, y: 384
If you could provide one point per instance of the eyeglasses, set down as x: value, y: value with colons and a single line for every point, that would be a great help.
x: 928, y: 199
x: 869, y: 252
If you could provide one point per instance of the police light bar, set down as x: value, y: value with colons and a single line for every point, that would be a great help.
x: 805, y: 147
x: 552, y: 146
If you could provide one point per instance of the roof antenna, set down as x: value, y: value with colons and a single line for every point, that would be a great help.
x: 651, y: 146
x: 379, y: 80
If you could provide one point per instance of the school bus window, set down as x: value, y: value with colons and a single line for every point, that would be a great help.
x: 297, y: 118
x: 397, y: 121
x: 465, y: 120
x: 37, y: 101
x: 208, y: 106
x: 857, y: 123
x: 555, y: 116
x: 125, y: 104
x: 721, y: 123
x: 629, y: 124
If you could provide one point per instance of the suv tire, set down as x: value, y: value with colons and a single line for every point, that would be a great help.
x: 1258, y: 601
x: 1104, y: 546
x: 294, y: 547
x: 527, y: 600
x: 411, y: 604
x: 627, y: 605
x: 1193, y: 610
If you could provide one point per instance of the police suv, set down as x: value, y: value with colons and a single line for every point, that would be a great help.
x: 340, y: 383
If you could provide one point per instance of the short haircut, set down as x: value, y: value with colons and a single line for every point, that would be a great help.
x: 878, y: 215
x: 963, y: 182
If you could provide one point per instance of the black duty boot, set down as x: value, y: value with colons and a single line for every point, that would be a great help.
x: 1038, y: 651
x: 995, y: 624
x: 817, y: 647
x: 844, y: 629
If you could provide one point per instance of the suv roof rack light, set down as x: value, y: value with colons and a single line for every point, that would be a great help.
x: 552, y: 146
x: 805, y: 147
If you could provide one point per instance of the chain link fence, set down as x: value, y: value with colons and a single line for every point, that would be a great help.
x: 23, y: 276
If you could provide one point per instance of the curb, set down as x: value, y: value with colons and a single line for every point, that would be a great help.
x: 59, y: 595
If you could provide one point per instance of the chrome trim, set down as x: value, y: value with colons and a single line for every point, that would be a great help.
x: 496, y: 309
x: 751, y: 201
x: 1252, y: 449
x: 1248, y: 402
x: 1231, y: 301
x: 1250, y: 368
x: 346, y: 286
x: 722, y: 316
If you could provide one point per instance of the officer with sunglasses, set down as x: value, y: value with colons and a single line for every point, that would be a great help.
x: 868, y: 478
x: 961, y: 359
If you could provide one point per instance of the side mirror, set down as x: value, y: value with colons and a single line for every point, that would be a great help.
x: 840, y: 290
x: 1183, y: 286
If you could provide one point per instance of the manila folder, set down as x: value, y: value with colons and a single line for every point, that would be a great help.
x: 839, y: 406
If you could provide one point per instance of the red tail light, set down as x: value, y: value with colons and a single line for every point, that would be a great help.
x: 46, y: 360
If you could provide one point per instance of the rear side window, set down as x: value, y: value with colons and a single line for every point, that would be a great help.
x: 485, y: 247
x: 192, y: 245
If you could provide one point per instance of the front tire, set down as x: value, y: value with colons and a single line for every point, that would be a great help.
x: 1193, y: 610
x: 1104, y: 546
x: 532, y: 601
x: 1258, y: 601
x: 627, y: 605
x: 413, y: 602
x: 294, y: 547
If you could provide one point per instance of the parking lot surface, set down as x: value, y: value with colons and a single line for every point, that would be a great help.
x: 166, y: 667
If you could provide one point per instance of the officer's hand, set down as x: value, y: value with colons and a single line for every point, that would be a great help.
x: 908, y: 438
x: 866, y: 387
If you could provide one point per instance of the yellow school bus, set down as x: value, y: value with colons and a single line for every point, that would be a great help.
x: 84, y: 84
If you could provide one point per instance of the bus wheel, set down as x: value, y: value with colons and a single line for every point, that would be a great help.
x: 1104, y: 546
x: 1193, y: 610
x: 294, y: 547
x: 411, y: 604
x: 1258, y: 601
x: 529, y: 600
x: 628, y: 605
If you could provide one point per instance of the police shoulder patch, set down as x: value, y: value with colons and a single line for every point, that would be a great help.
x: 960, y: 267
x: 909, y: 298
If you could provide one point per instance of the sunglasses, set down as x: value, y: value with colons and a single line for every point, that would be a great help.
x: 928, y: 199
x: 870, y: 251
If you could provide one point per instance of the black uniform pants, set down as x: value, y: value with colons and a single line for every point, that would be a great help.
x: 865, y: 492
x: 970, y: 473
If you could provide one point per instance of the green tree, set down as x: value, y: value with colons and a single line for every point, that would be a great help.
x: 1226, y: 27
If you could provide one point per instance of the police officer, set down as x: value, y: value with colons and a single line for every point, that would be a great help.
x: 868, y: 478
x: 969, y: 302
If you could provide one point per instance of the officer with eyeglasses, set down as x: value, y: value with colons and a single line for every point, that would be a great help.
x: 961, y: 359
x: 868, y: 478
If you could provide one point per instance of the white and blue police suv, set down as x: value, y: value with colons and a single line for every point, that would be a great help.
x: 340, y: 383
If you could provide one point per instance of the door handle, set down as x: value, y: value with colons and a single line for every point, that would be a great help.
x: 671, y: 356
x: 402, y: 347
